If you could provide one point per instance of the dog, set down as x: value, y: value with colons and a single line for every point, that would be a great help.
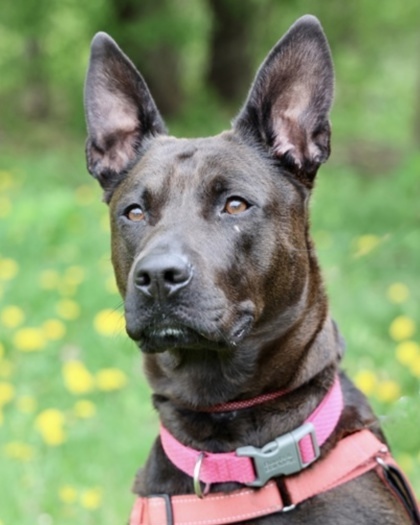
x: 224, y: 296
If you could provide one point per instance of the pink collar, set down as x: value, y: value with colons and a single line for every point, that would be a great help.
x: 287, y: 454
x: 351, y: 457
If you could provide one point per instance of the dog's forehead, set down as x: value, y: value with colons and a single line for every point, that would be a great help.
x: 195, y: 160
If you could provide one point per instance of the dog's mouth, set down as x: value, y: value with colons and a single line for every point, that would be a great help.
x: 162, y: 338
x: 157, y: 338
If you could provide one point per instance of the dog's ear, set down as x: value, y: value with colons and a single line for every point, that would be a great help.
x: 120, y: 112
x: 288, y: 104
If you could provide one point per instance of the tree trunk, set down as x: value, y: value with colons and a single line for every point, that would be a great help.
x: 156, y: 55
x: 35, y: 102
x: 231, y: 66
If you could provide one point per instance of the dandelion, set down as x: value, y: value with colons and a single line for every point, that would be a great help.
x: 388, y: 391
x: 365, y: 244
x: 67, y: 494
x: 8, y: 269
x: 407, y: 352
x: 74, y: 275
x: 5, y: 206
x: 91, y: 499
x: 401, y: 328
x: 111, y: 285
x: 6, y: 368
x: 84, y: 409
x: 68, y: 309
x: 29, y: 339
x: 49, y: 280
x: 26, y: 404
x: 19, y: 451
x: 53, y: 329
x: 109, y: 322
x: 85, y: 194
x: 110, y: 379
x: 6, y: 180
x: 104, y: 221
x: 366, y: 381
x: 7, y: 393
x: 12, y: 316
x: 406, y: 462
x: 398, y: 293
x: 50, y: 424
x: 77, y: 378
x: 415, y: 367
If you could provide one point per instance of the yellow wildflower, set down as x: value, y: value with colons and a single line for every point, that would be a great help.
x: 91, y: 499
x: 105, y: 223
x: 7, y: 393
x: 398, y: 293
x: 54, y: 329
x: 74, y: 275
x: 407, y: 352
x: 111, y: 285
x: 7, y: 180
x: 85, y: 194
x: 6, y: 368
x: 19, y: 450
x: 366, y: 381
x: 109, y: 322
x: 109, y: 379
x: 8, y: 269
x: 401, y: 328
x: 388, y: 391
x: 49, y: 279
x: 67, y: 494
x: 12, y: 316
x: 77, y: 378
x: 68, y: 309
x: 84, y: 409
x: 406, y: 462
x: 365, y: 244
x: 415, y: 367
x: 50, y: 424
x: 26, y: 404
x: 5, y: 206
x: 29, y: 339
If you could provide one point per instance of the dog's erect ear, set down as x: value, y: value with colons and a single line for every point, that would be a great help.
x: 120, y: 112
x: 288, y: 104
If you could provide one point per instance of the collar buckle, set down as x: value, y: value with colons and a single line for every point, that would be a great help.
x: 282, y: 456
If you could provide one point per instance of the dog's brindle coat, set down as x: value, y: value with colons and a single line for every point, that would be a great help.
x: 212, y: 255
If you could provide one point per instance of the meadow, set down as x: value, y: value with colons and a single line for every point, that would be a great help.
x: 75, y: 416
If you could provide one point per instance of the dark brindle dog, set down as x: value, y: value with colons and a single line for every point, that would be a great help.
x: 223, y: 294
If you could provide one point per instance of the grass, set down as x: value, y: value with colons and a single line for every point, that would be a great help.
x: 75, y: 416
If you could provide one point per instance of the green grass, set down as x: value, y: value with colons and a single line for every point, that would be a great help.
x: 52, y: 220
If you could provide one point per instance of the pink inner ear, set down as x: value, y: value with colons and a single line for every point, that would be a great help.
x: 290, y: 138
x: 115, y: 132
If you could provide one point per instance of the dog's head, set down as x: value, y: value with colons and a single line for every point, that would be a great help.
x: 210, y: 237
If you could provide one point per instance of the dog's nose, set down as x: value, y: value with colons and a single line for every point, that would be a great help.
x: 160, y: 276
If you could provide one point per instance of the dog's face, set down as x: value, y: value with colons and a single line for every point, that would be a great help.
x: 210, y: 237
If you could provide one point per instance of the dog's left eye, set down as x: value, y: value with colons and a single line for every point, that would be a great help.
x: 235, y: 205
x: 134, y: 213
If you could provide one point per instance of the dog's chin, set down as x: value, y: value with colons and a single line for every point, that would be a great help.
x: 157, y: 339
x: 154, y: 340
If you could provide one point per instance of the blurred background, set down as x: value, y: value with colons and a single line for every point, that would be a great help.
x: 75, y: 414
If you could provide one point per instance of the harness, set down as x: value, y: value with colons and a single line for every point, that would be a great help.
x: 289, y: 455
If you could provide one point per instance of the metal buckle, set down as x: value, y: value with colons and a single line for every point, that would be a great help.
x: 280, y: 457
x: 168, y: 507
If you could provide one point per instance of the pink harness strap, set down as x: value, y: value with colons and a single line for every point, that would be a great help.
x: 228, y: 466
x: 352, y: 457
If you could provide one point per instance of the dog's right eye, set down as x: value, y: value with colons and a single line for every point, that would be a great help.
x: 134, y: 213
